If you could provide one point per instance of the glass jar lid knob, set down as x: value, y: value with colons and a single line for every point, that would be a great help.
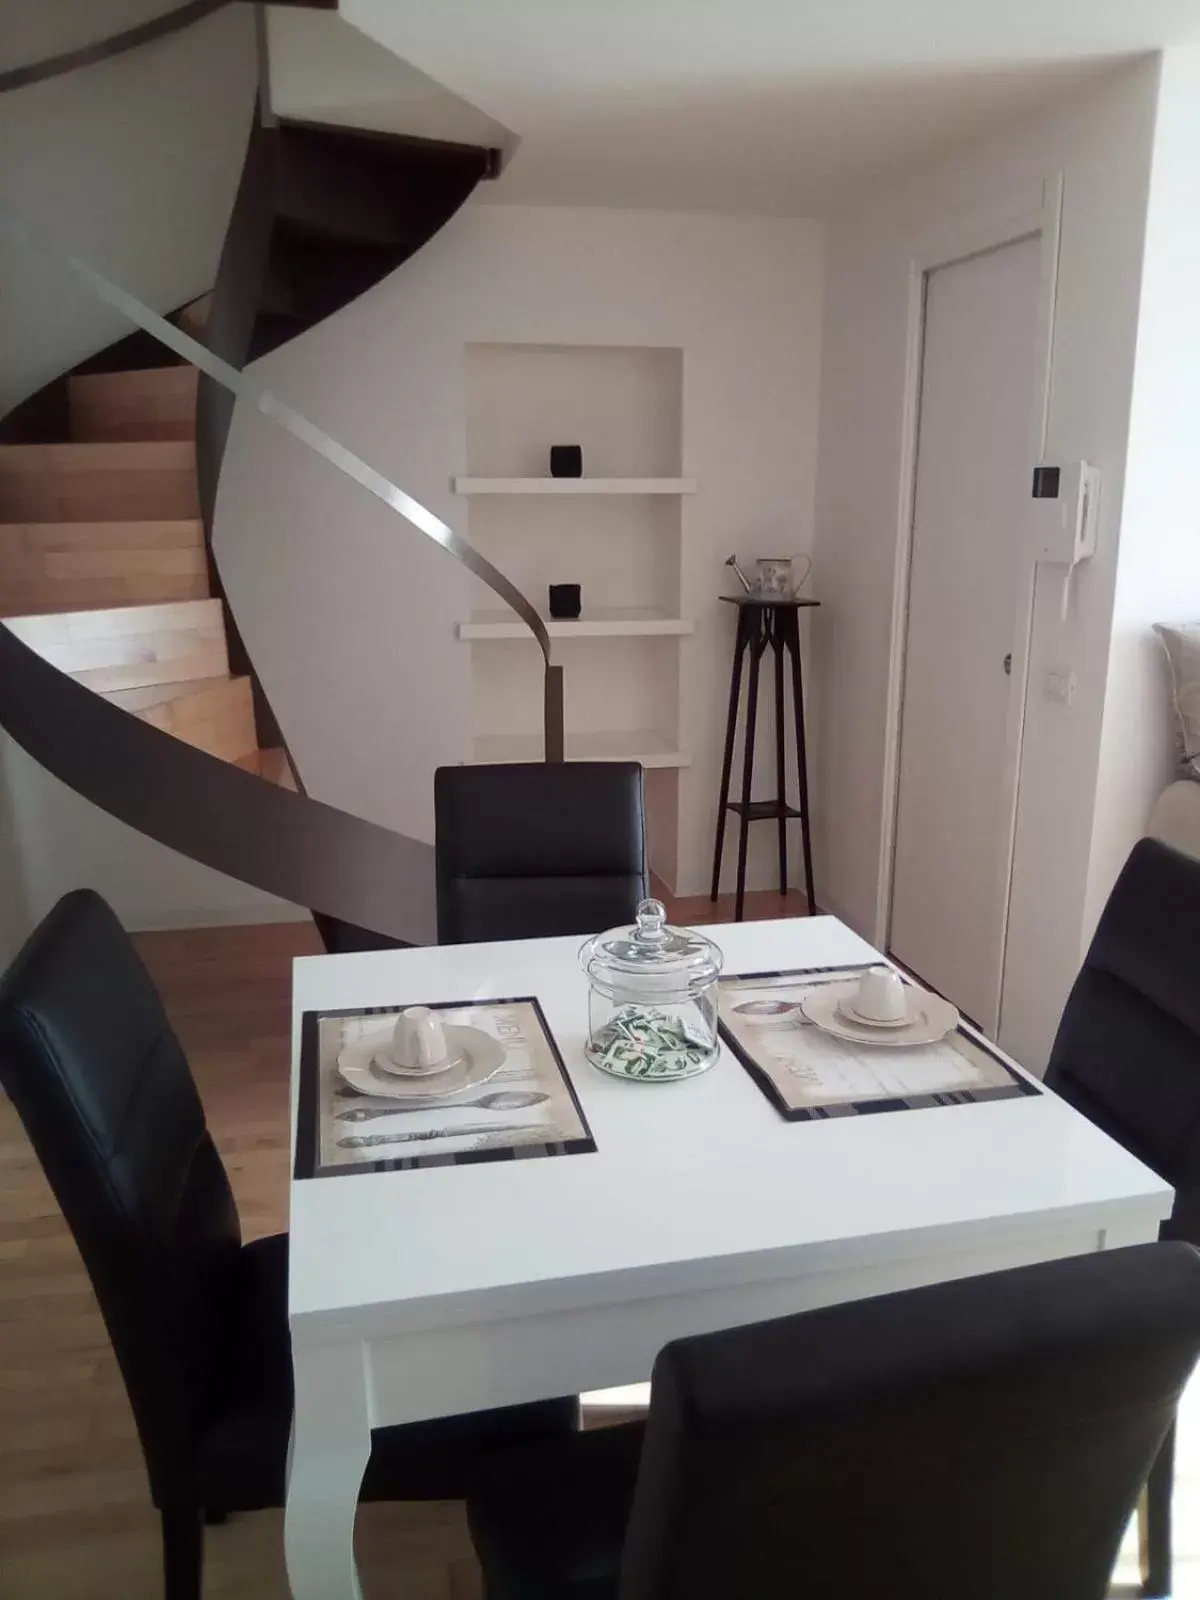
x: 650, y: 948
x: 651, y: 918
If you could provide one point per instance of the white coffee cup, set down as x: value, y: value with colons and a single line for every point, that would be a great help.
x: 419, y: 1040
x: 880, y: 996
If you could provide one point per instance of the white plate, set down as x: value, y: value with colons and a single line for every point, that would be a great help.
x: 481, y: 1058
x: 930, y: 1017
x: 385, y: 1061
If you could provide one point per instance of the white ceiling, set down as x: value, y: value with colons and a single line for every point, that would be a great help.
x: 752, y: 105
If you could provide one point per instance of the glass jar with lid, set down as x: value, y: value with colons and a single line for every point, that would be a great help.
x: 652, y: 1004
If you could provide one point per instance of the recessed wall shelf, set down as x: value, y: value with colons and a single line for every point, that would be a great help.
x: 618, y: 622
x: 651, y: 749
x: 475, y: 486
x: 618, y: 533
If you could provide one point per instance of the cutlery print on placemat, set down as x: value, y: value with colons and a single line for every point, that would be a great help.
x: 522, y: 1104
x: 365, y: 1141
x: 499, y: 1100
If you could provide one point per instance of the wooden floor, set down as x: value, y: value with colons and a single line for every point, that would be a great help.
x: 75, y: 1522
x: 696, y: 910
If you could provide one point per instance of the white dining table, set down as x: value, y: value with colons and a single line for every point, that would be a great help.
x: 425, y: 1292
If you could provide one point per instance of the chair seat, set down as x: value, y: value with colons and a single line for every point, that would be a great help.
x: 243, y: 1455
x: 548, y: 1521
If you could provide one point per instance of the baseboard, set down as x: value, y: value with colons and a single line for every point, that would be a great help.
x: 239, y: 916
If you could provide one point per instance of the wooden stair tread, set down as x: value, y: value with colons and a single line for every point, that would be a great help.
x: 351, y: 208
x: 99, y: 622
x: 180, y: 378
x: 154, y: 403
x: 75, y: 455
x: 132, y: 534
x: 149, y: 695
x: 128, y: 647
x: 271, y: 765
x: 134, y: 589
x: 215, y: 715
x: 112, y: 480
x: 194, y: 317
x: 73, y: 566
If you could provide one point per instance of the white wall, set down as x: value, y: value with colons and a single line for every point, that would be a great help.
x: 1158, y: 573
x: 349, y: 613
x: 134, y: 164
x: 1101, y: 142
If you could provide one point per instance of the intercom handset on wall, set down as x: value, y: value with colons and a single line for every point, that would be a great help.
x: 1068, y: 498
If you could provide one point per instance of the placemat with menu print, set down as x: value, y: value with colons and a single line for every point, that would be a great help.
x: 809, y: 1075
x: 510, y: 1097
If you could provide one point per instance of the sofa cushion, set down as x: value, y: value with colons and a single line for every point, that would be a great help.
x: 1182, y: 644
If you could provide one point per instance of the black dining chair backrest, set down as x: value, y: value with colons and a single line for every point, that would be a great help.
x: 983, y: 1438
x: 533, y: 849
x: 105, y: 1093
x: 1127, y: 1052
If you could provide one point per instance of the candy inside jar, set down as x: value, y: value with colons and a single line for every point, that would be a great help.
x: 652, y: 1004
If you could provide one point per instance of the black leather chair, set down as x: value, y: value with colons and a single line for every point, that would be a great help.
x: 984, y: 1439
x: 1127, y: 1055
x: 533, y: 849
x: 198, y: 1320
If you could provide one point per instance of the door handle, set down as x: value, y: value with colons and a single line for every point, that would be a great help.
x: 1008, y: 665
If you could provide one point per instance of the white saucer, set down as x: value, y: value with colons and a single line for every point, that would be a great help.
x: 479, y: 1057
x: 385, y: 1061
x: 852, y: 1014
x: 930, y: 1018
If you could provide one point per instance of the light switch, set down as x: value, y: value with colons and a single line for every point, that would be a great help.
x: 1060, y: 684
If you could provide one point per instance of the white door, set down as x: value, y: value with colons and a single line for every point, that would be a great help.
x: 958, y: 753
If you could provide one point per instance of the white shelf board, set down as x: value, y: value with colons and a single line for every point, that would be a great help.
x: 574, y: 485
x: 601, y: 623
x: 651, y: 749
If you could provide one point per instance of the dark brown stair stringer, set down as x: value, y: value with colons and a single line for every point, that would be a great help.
x: 290, y: 845
x: 351, y: 873
x: 321, y: 215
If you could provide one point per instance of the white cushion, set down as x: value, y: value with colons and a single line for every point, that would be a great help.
x: 1182, y: 644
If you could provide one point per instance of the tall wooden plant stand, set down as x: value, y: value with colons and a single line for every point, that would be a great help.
x: 765, y: 625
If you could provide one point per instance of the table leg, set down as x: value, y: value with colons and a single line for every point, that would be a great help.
x: 735, y: 689
x: 793, y: 638
x: 331, y: 1444
x: 780, y: 755
x: 756, y: 650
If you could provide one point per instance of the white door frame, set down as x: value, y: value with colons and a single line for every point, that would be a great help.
x: 1035, y: 213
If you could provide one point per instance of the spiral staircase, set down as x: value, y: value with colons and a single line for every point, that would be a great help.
x: 122, y: 670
